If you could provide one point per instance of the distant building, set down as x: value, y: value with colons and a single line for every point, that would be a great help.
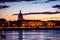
x: 2, y: 20
x: 20, y: 16
x: 28, y: 23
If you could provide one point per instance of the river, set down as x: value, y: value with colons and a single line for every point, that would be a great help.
x: 32, y: 35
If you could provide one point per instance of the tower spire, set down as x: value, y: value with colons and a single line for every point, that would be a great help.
x: 20, y: 11
x: 20, y: 16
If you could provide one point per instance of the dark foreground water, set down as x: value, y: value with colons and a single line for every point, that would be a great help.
x: 32, y: 35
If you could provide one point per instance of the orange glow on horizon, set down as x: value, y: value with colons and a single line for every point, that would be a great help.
x: 42, y: 17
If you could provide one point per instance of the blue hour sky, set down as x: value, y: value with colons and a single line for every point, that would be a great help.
x: 28, y: 7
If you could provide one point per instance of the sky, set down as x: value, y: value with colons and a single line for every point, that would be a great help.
x: 30, y: 6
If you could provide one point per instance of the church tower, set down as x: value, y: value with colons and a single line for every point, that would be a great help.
x: 20, y: 16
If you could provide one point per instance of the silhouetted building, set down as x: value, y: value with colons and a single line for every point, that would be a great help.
x: 29, y: 23
x: 2, y: 20
x: 20, y: 16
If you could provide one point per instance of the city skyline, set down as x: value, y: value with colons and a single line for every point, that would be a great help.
x: 28, y: 7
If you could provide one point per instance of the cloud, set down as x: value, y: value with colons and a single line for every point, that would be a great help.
x: 56, y: 6
x: 50, y: 1
x: 45, y: 1
x: 3, y: 6
x: 37, y: 2
x: 14, y: 0
x: 7, y: 0
x: 28, y: 0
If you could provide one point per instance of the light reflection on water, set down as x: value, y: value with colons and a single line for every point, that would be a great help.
x: 0, y: 35
x: 33, y: 35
